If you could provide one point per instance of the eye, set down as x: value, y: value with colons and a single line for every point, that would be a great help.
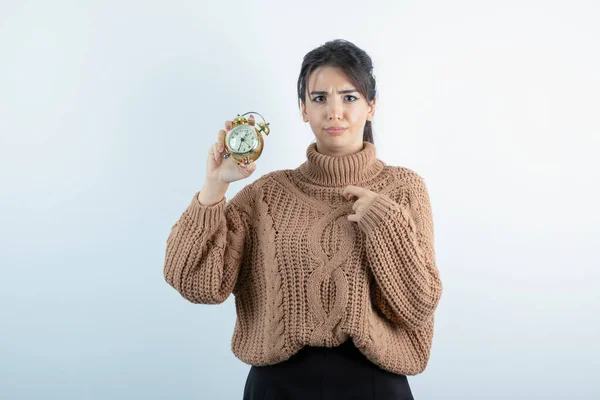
x: 351, y: 101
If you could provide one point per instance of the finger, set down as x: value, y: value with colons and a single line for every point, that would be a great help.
x: 221, y: 140
x: 248, y: 169
x: 228, y: 125
x: 251, y: 120
x: 353, y: 190
x: 216, y: 153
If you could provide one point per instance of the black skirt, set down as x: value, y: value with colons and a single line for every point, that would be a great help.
x: 326, y: 373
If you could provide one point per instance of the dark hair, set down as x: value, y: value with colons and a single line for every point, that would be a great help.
x: 354, y: 61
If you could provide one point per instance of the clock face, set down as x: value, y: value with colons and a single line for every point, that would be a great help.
x: 243, y: 139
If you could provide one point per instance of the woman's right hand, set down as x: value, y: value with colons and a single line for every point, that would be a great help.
x: 226, y: 170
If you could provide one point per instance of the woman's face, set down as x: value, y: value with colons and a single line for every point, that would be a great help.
x: 332, y: 100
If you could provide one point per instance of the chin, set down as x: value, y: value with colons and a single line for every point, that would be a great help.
x: 347, y: 137
x: 335, y: 140
x: 339, y: 142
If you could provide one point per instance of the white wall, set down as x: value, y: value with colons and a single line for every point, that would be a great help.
x: 107, y: 110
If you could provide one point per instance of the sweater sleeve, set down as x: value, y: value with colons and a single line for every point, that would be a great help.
x: 400, y: 251
x: 205, y: 249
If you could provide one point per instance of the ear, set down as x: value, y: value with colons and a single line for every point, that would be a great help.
x: 304, y: 114
x: 371, y: 112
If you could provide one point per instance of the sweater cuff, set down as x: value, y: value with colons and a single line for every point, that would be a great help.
x: 383, y: 211
x: 204, y: 215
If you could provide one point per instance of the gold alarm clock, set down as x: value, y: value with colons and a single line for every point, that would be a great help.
x: 244, y: 142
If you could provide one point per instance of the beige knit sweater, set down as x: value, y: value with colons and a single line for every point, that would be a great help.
x: 303, y: 274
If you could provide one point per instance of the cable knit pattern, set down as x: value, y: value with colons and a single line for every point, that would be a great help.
x: 274, y: 326
x: 303, y: 274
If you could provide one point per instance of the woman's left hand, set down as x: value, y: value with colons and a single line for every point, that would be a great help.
x: 364, y: 200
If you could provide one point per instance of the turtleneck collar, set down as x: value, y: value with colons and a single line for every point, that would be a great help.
x: 354, y: 168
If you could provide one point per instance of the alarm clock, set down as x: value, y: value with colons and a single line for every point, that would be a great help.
x: 244, y: 142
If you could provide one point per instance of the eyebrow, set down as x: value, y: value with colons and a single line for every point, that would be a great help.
x: 340, y: 92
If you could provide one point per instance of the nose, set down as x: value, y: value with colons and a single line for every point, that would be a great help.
x: 335, y: 109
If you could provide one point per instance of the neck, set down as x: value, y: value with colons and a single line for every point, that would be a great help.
x: 351, y: 169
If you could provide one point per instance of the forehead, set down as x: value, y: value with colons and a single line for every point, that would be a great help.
x: 325, y: 77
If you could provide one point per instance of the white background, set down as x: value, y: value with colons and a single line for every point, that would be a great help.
x: 107, y: 111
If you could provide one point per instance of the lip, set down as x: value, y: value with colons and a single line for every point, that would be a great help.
x: 335, y: 130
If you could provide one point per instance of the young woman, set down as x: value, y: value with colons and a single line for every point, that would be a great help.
x: 332, y: 264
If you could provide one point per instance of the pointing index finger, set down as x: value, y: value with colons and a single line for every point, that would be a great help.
x: 353, y: 190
